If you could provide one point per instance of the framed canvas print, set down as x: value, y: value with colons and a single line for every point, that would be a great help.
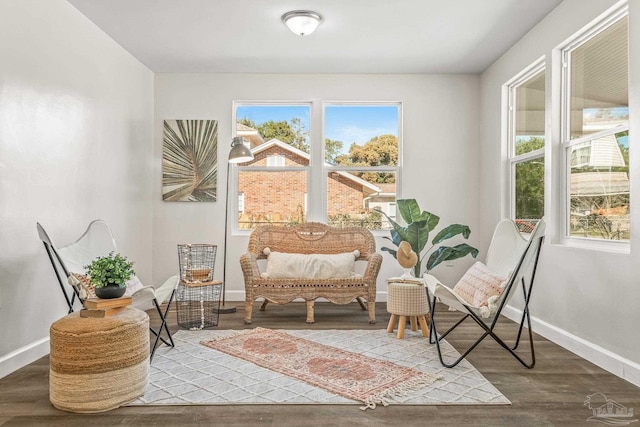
x: 190, y: 160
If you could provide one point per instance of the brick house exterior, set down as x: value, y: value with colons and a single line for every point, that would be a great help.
x: 259, y: 203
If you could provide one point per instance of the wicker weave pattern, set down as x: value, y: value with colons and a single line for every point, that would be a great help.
x: 97, y: 364
x: 406, y: 299
x: 310, y: 238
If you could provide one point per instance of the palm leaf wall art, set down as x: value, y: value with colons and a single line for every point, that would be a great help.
x: 190, y: 160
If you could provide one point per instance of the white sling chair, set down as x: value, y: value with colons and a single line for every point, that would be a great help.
x: 97, y: 241
x: 509, y: 254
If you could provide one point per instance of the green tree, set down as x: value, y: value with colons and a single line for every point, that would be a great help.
x: 248, y: 122
x: 332, y: 149
x: 531, y: 144
x: 530, y: 181
x: 291, y: 132
x: 277, y: 129
x: 300, y: 134
x: 378, y: 151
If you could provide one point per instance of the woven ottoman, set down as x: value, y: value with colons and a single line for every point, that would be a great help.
x: 407, y: 300
x: 98, y: 364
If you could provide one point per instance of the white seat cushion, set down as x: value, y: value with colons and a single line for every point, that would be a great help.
x: 281, y: 265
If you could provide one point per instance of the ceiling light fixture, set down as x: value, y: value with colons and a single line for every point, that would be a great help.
x: 302, y: 22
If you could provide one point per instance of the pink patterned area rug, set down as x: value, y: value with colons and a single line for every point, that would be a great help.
x: 351, y: 375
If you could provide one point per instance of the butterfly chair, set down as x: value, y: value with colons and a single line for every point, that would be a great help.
x: 98, y: 241
x: 511, y: 256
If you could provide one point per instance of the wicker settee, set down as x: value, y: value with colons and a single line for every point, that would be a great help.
x: 310, y: 238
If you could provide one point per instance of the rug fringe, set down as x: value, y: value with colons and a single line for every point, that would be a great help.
x: 400, y: 390
x: 383, y: 398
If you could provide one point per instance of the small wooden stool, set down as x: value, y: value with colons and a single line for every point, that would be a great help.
x: 407, y: 300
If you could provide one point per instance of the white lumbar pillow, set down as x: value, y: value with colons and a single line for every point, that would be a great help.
x: 282, y: 265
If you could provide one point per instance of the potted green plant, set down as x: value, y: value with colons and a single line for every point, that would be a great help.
x: 109, y: 274
x: 416, y: 233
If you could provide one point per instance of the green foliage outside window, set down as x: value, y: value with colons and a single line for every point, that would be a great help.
x: 292, y: 132
x: 371, y: 220
x: 529, y: 191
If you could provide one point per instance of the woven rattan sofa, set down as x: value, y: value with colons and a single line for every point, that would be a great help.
x: 310, y: 238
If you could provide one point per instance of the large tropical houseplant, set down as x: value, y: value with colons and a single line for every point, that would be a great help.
x: 416, y: 233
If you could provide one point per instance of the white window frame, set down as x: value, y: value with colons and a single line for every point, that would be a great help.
x: 566, y: 142
x: 512, y: 159
x: 317, y: 171
x: 240, y: 203
x: 334, y: 168
x: 233, y: 178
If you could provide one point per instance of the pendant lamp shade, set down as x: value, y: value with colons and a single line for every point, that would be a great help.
x: 239, y: 153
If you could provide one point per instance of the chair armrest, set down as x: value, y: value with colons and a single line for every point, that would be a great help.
x: 444, y: 293
x: 163, y: 292
x: 373, y: 266
x: 249, y: 264
x: 143, y: 298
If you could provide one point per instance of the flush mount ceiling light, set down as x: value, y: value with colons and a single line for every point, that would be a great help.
x: 302, y: 22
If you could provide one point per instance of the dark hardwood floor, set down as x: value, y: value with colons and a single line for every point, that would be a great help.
x: 551, y: 394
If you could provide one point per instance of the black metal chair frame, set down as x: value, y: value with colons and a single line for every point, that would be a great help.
x: 51, y: 253
x: 53, y: 256
x: 489, y: 328
x: 163, y: 325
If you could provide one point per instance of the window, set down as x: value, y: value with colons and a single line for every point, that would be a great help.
x: 346, y: 181
x: 526, y: 119
x: 275, y: 160
x: 595, y: 132
x: 240, y: 203
x: 275, y: 133
x: 361, y: 145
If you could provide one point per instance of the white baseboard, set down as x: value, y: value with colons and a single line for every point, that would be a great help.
x: 23, y: 356
x: 607, y: 360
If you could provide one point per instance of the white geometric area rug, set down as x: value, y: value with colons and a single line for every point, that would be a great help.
x: 193, y: 374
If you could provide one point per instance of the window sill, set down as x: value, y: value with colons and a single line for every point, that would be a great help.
x: 601, y: 245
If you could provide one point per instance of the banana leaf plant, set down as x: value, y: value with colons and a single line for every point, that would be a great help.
x: 416, y: 233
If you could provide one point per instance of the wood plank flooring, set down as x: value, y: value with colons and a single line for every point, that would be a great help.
x: 551, y: 394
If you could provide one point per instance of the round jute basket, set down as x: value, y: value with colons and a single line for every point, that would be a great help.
x: 98, y: 364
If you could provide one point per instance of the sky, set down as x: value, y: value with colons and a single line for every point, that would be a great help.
x: 346, y: 123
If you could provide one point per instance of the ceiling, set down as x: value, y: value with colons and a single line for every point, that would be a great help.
x: 356, y: 36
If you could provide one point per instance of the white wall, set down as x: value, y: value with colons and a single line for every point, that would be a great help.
x: 75, y: 129
x: 440, y: 132
x: 584, y: 299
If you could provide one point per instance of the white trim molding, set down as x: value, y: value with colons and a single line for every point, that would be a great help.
x: 599, y: 356
x: 23, y: 356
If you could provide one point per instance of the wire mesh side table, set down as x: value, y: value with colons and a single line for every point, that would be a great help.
x: 198, y: 297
